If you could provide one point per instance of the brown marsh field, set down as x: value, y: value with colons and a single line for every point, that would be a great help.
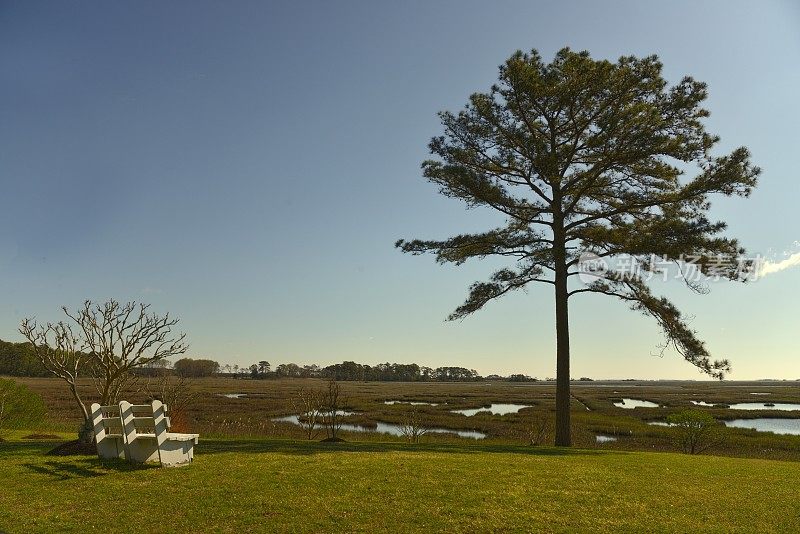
x: 253, y: 413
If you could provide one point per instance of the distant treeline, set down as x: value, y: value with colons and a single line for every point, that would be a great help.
x: 192, y: 368
x: 383, y: 372
x: 18, y: 359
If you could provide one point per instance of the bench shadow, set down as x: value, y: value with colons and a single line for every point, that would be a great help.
x: 64, y: 467
x: 216, y: 446
x: 81, y: 468
x: 64, y: 470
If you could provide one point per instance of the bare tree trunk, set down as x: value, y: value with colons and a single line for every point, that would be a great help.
x: 105, y: 396
x: 332, y: 404
x: 86, y: 430
x: 84, y: 411
x: 563, y: 434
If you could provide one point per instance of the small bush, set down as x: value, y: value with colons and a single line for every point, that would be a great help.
x: 696, y: 431
x: 19, y: 406
x: 413, y: 427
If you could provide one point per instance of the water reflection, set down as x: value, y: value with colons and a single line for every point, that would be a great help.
x: 777, y: 426
x: 784, y: 407
x: 780, y: 406
x: 496, y: 409
x: 389, y: 428
x: 630, y: 404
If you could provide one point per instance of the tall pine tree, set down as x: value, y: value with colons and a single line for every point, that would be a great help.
x: 586, y: 157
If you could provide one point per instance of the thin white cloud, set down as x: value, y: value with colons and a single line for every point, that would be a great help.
x: 771, y: 267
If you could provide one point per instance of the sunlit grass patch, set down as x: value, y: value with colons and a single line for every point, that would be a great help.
x: 301, y: 486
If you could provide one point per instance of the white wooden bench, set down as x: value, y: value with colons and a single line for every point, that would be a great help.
x: 140, y: 433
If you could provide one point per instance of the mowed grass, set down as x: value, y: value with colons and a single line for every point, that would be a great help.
x: 294, y: 486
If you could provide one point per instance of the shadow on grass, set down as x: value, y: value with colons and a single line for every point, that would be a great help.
x: 10, y: 449
x: 90, y: 466
x: 28, y: 455
x: 83, y: 468
x: 69, y: 469
x: 214, y: 446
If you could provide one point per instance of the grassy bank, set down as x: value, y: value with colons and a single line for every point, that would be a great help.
x: 282, y: 485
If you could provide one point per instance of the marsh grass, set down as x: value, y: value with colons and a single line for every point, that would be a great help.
x: 214, y: 415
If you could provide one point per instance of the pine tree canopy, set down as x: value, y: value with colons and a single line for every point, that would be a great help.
x: 589, y: 157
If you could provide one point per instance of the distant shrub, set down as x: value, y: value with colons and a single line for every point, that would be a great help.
x: 19, y: 406
x: 191, y: 368
x: 538, y: 426
x: 413, y: 426
x: 696, y: 431
x: 308, y: 405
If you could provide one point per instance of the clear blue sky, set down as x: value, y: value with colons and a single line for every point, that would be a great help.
x: 247, y: 166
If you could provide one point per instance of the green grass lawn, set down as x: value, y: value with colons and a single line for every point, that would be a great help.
x: 291, y: 486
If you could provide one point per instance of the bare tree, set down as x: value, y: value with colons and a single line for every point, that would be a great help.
x: 122, y: 337
x: 413, y: 426
x: 107, y: 341
x: 60, y: 351
x: 332, y: 401
x: 308, y: 405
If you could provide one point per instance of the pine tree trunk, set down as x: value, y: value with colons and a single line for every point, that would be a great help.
x: 563, y: 437
x: 563, y: 434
